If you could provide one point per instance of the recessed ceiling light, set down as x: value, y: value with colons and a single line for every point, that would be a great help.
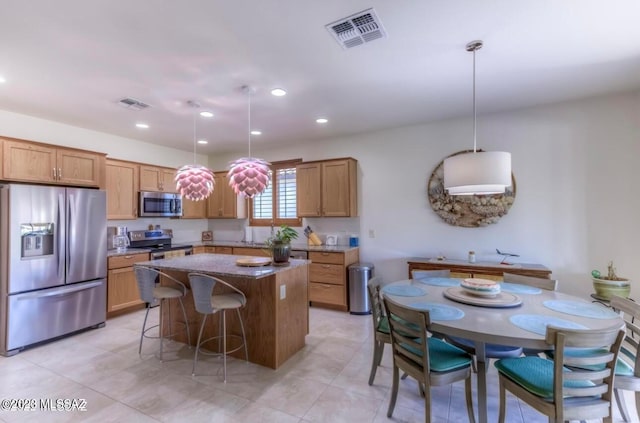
x: 2, y: 79
x: 278, y: 92
x: 322, y: 120
x: 142, y: 125
x: 206, y: 114
x: 203, y: 142
x: 256, y: 132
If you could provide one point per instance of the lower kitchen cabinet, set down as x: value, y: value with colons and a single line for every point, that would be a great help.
x: 328, y: 278
x: 247, y: 251
x: 122, y: 288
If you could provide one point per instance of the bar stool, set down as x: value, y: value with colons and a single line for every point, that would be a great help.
x: 202, y: 288
x: 147, y: 278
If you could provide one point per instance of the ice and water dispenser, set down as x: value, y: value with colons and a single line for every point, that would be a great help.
x: 37, y: 239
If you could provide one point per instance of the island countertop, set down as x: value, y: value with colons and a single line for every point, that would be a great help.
x: 219, y: 264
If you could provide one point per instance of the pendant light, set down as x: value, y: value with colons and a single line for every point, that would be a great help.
x: 249, y: 176
x: 477, y: 172
x: 193, y: 181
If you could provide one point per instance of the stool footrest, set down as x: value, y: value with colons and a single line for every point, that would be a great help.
x: 210, y: 352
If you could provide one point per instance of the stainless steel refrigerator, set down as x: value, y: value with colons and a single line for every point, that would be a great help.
x: 53, y: 263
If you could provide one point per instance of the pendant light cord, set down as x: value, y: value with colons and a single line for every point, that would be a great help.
x: 474, y: 100
x: 249, y: 120
x: 195, y: 143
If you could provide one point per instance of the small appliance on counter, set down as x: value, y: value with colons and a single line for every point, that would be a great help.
x: 117, y: 238
x: 331, y: 240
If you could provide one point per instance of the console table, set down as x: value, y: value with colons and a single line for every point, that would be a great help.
x: 485, y: 270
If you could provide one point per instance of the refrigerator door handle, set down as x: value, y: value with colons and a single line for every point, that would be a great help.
x: 70, y: 221
x: 59, y: 292
x: 60, y: 235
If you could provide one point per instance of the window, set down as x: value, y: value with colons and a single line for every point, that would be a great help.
x: 277, y: 204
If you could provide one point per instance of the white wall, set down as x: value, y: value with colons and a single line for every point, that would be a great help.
x: 575, y: 165
x: 577, y: 199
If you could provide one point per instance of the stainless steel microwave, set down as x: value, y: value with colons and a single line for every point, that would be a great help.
x: 160, y: 204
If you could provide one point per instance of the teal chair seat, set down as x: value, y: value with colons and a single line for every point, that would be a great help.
x: 443, y: 357
x: 535, y: 374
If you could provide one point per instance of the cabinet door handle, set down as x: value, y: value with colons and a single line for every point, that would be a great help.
x: 326, y: 266
x: 59, y: 173
x: 54, y: 173
x: 325, y: 254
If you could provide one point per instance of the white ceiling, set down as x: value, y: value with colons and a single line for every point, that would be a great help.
x: 70, y: 61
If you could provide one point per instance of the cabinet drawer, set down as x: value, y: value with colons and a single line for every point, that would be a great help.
x: 324, y: 257
x: 329, y: 273
x: 490, y: 277
x: 223, y: 250
x: 244, y: 251
x: 126, y: 260
x: 327, y: 293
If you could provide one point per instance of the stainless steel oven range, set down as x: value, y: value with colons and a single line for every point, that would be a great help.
x: 159, y: 242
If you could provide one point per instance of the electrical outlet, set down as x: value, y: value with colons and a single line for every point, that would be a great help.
x: 283, y: 292
x: 372, y: 233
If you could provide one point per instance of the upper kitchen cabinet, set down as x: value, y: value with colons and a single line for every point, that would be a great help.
x: 223, y: 202
x: 34, y: 162
x: 153, y: 178
x: 122, y: 189
x: 194, y: 209
x: 327, y: 188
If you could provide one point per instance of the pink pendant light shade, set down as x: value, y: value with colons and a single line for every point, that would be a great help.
x: 249, y: 176
x: 194, y: 182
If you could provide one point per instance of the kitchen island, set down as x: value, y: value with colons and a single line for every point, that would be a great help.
x: 276, y: 316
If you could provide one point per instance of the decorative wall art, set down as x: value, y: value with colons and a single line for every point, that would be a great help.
x: 469, y: 211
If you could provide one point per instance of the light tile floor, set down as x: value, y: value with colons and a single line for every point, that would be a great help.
x: 325, y: 382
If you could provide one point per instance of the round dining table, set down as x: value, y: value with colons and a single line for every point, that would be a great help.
x: 516, y: 317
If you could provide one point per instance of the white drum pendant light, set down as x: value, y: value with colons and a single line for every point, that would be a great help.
x: 249, y: 176
x: 477, y: 172
x: 193, y: 181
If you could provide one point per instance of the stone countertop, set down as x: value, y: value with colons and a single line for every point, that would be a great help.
x: 260, y: 245
x: 219, y: 265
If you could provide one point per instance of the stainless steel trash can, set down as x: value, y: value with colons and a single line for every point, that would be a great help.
x: 359, y: 275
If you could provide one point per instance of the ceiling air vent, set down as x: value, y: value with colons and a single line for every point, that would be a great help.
x: 131, y: 103
x: 357, y: 29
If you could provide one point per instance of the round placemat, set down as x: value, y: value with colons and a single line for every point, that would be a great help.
x: 439, y: 311
x: 404, y: 290
x: 582, y: 309
x: 538, y: 323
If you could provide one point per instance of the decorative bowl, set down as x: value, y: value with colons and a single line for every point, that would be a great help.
x: 605, y: 289
x: 480, y: 287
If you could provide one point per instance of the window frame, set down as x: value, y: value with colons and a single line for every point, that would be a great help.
x: 275, y: 221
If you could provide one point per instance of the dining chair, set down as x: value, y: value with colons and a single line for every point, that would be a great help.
x: 207, y: 304
x: 569, y: 387
x: 419, y: 274
x: 381, y: 333
x: 429, y: 360
x: 628, y: 376
x: 150, y: 292
x: 542, y: 283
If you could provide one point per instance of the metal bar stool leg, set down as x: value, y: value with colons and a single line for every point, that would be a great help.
x: 195, y: 357
x: 186, y: 324
x: 161, y: 327
x: 224, y: 344
x: 144, y: 325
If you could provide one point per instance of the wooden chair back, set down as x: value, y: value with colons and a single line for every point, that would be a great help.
x: 542, y: 283
x: 377, y: 312
x: 590, y: 381
x: 630, y: 353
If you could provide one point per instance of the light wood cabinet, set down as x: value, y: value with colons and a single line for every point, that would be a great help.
x: 194, y: 209
x: 122, y: 288
x: 327, y: 188
x: 200, y: 249
x: 153, y: 178
x: 223, y: 203
x: 221, y: 250
x: 328, y: 278
x: 34, y: 162
x: 248, y: 251
x: 122, y: 189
